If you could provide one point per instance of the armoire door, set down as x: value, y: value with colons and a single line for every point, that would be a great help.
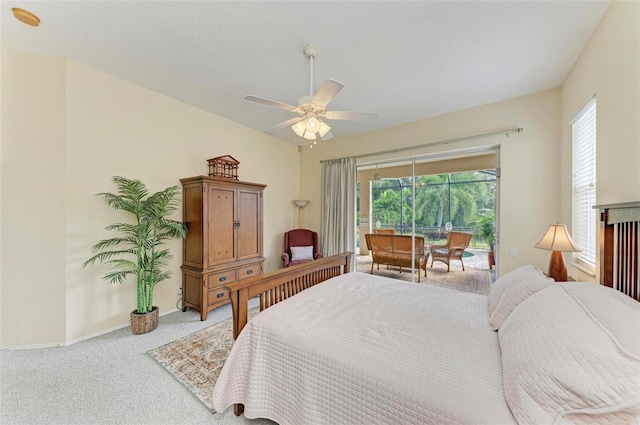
x: 250, y: 220
x: 221, y: 225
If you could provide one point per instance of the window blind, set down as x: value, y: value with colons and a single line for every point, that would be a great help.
x: 583, y: 129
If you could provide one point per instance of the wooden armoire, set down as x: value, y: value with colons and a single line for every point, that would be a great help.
x: 224, y: 241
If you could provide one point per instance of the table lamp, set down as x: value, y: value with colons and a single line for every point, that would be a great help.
x: 558, y: 240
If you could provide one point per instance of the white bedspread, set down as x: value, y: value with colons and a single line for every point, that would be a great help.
x: 364, y: 349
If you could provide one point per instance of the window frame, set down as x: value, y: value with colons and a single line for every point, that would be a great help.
x: 583, y: 186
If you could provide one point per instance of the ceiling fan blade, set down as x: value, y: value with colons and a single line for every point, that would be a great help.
x: 328, y: 136
x: 327, y: 91
x: 351, y: 116
x: 283, y: 125
x: 270, y: 103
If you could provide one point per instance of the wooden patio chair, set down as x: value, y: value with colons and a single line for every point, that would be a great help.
x: 457, y: 242
x: 384, y: 231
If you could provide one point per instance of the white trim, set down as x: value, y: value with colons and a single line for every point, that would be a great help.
x: 583, y: 268
x: 579, y: 114
x: 73, y: 341
x: 30, y: 347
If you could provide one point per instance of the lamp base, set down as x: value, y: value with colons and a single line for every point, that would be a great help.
x: 557, y: 267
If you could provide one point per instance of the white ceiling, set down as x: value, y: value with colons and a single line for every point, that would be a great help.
x: 403, y: 60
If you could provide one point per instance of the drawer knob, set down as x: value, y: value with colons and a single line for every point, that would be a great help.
x: 222, y: 279
x: 220, y: 295
x: 249, y: 271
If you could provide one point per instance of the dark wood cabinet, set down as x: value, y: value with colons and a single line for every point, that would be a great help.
x: 224, y: 242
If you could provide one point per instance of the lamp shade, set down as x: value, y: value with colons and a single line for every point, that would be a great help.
x: 301, y: 203
x: 558, y: 238
x: 312, y: 122
x: 324, y: 128
x: 299, y: 128
x: 309, y: 127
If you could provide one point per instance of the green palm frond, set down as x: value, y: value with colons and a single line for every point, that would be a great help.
x: 131, y: 189
x: 162, y: 258
x: 122, y: 264
x: 128, y: 228
x: 159, y: 277
x: 118, y: 202
x: 172, y: 229
x: 108, y: 243
x: 105, y: 256
x: 118, y: 276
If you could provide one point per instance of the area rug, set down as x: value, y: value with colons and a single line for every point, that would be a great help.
x: 196, y: 360
x: 471, y: 279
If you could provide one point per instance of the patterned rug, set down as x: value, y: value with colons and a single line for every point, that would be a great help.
x: 196, y: 360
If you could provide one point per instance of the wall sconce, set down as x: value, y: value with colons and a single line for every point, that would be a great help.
x: 300, y: 203
x: 558, y: 240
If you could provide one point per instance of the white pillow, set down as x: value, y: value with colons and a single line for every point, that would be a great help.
x: 525, y: 273
x: 301, y: 253
x: 562, y: 364
x: 513, y: 295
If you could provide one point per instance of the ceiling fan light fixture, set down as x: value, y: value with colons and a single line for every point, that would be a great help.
x: 324, y: 128
x: 312, y: 122
x: 312, y: 108
x: 377, y: 177
x: 299, y: 128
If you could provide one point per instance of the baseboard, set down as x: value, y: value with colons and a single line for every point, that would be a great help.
x: 73, y: 341
x: 29, y: 347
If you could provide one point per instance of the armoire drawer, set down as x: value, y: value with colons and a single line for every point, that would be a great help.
x: 249, y: 271
x: 217, y: 295
x: 223, y: 278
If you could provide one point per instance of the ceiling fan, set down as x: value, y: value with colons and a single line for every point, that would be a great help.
x: 377, y: 176
x: 311, y: 108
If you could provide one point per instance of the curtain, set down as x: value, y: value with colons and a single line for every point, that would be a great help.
x: 339, y: 207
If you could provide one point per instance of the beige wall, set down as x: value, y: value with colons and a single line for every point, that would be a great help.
x: 70, y: 128
x: 529, y: 197
x: 609, y: 67
x: 33, y: 200
x: 64, y: 127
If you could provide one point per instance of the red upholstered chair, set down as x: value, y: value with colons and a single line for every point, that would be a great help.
x: 305, y: 247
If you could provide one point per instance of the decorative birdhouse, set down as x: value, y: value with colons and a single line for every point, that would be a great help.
x: 224, y: 166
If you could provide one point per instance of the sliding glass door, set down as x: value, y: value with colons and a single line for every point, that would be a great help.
x: 429, y: 198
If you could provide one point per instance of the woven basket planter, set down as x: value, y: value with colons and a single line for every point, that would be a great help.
x: 145, y: 322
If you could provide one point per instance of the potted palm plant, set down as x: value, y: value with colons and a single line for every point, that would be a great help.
x: 136, y: 251
x: 484, y: 226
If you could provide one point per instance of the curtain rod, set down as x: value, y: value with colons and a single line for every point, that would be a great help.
x: 440, y: 142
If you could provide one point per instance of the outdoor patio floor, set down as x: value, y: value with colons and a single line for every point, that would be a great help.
x: 477, y: 260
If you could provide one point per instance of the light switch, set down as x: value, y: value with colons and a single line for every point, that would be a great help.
x: 512, y: 252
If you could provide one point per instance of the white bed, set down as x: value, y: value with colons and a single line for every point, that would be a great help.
x: 363, y: 349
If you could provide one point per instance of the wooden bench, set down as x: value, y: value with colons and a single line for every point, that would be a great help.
x: 395, y: 250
